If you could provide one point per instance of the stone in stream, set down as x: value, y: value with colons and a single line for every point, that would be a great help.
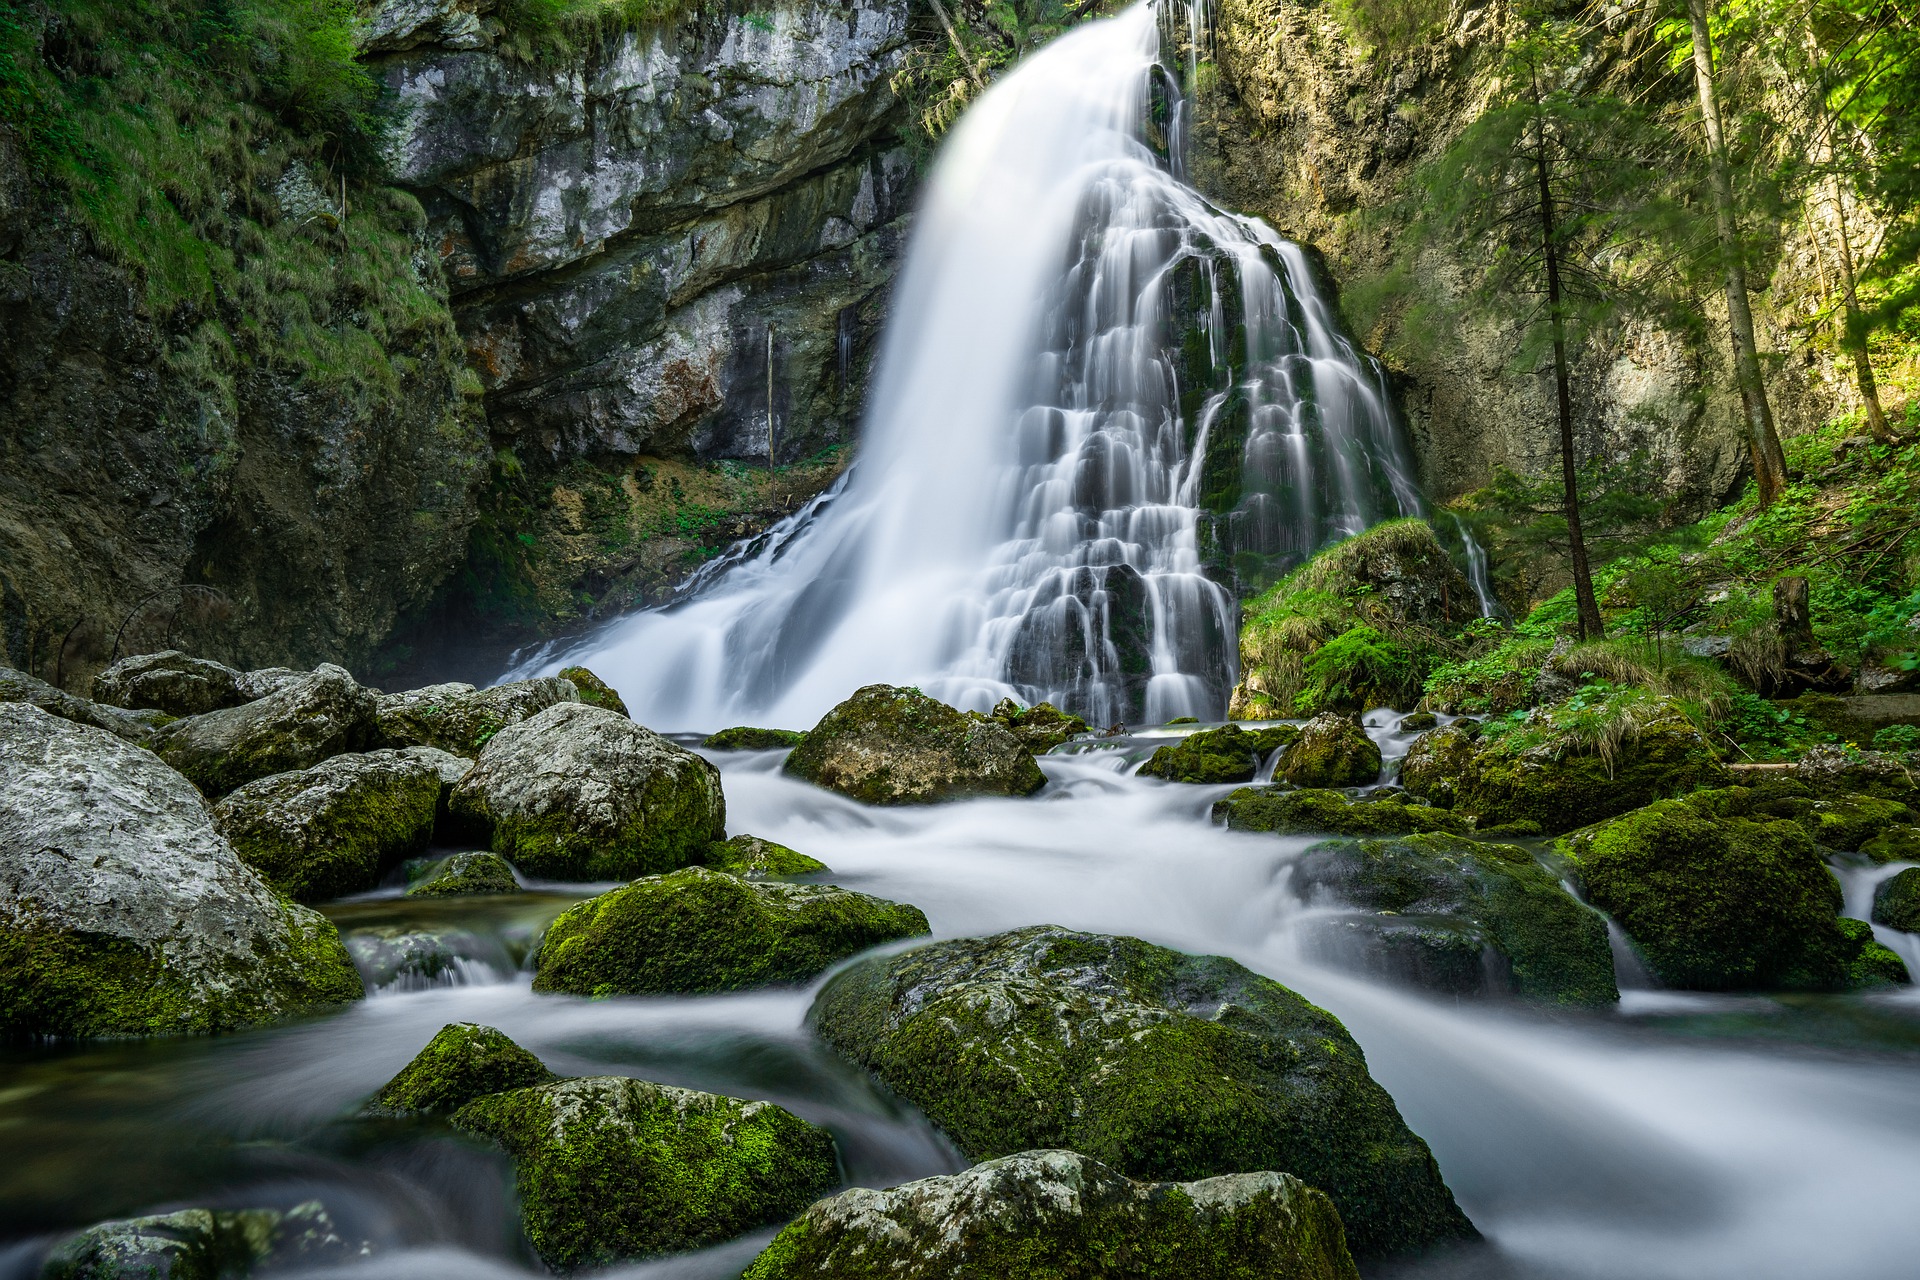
x: 134, y: 726
x: 1331, y: 751
x: 594, y: 691
x: 203, y: 1244
x: 462, y: 719
x: 1287, y: 811
x: 1226, y: 754
x: 746, y: 738
x: 463, y: 1061
x: 1041, y: 727
x: 898, y: 746
x: 1161, y: 1065
x: 1438, y: 908
x: 703, y: 930
x: 463, y: 875
x: 1065, y: 1216
x: 580, y: 793
x: 611, y: 1169
x: 1896, y: 901
x: 1851, y: 822
x: 169, y: 681
x: 303, y: 722
x: 752, y: 858
x: 1895, y: 844
x: 324, y: 832
x: 124, y: 912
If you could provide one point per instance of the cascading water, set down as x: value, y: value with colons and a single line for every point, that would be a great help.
x: 1100, y: 400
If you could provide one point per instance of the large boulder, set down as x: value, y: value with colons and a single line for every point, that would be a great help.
x: 1041, y: 727
x: 1162, y: 1065
x: 898, y: 746
x: 463, y: 1061
x: 1719, y: 898
x: 462, y: 719
x: 204, y: 1244
x: 134, y: 726
x: 611, y: 1168
x: 582, y: 793
x: 1226, y: 754
x: 1064, y: 1216
x: 1459, y: 916
x: 1286, y: 811
x: 1331, y: 751
x: 169, y: 681
x: 1838, y: 770
x: 125, y: 912
x: 321, y: 833
x: 704, y: 930
x: 306, y: 720
x: 1896, y: 901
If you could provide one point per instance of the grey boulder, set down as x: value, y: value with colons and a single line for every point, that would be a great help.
x: 306, y: 720
x: 460, y: 718
x: 169, y: 681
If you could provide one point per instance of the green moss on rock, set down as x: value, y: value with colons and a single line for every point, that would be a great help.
x: 745, y: 738
x: 1870, y: 963
x: 611, y: 1169
x: 462, y: 1062
x: 1161, y: 1065
x: 308, y: 719
x: 594, y: 691
x: 1063, y: 1216
x: 1041, y: 727
x: 1896, y: 901
x: 1849, y: 822
x: 464, y: 875
x: 462, y: 719
x: 703, y: 930
x: 203, y: 1244
x: 752, y: 858
x: 1895, y: 844
x: 898, y: 746
x: 1287, y: 811
x: 1331, y: 751
x: 1226, y: 754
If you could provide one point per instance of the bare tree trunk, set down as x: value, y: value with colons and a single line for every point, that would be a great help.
x: 1763, y: 442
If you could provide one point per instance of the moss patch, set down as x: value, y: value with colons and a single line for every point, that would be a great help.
x: 1289, y: 812
x: 898, y: 746
x: 462, y: 1062
x: 1896, y: 903
x: 744, y: 738
x: 1331, y: 751
x: 752, y: 858
x: 463, y: 875
x: 1227, y: 754
x: 594, y: 691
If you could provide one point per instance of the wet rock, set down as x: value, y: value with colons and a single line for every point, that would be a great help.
x: 1066, y: 1216
x: 898, y: 746
x: 1331, y: 751
x: 1895, y: 844
x: 169, y: 681
x: 752, y: 858
x: 1718, y: 898
x: 580, y: 793
x: 125, y: 912
x: 1438, y: 904
x: 303, y: 722
x: 744, y: 738
x: 704, y: 930
x: 1041, y: 727
x: 1226, y: 754
x: 407, y: 959
x: 1286, y: 811
x: 1896, y: 902
x: 463, y: 1061
x: 462, y: 719
x: 1436, y: 761
x: 464, y: 875
x: 324, y: 832
x: 594, y: 691
x: 1848, y: 822
x: 1870, y: 963
x: 134, y: 726
x: 610, y: 1168
x: 1418, y: 722
x: 1161, y: 1065
x: 202, y: 1244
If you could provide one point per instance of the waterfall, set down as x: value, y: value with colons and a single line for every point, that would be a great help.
x: 1103, y: 407
x: 1477, y: 575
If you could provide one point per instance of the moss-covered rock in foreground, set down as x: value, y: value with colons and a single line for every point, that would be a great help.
x: 752, y: 858
x: 1850, y: 822
x: 1063, y: 1216
x: 747, y: 738
x: 122, y: 910
x: 1717, y: 898
x: 203, y: 1244
x: 463, y: 875
x: 462, y: 719
x: 704, y: 930
x: 1041, y: 727
x: 1164, y: 1066
x: 1896, y: 902
x: 594, y: 691
x: 1331, y: 751
x: 1437, y: 906
x: 579, y: 793
x: 1226, y: 754
x: 898, y: 746
x: 611, y: 1169
x: 306, y: 720
x: 462, y: 1062
x: 134, y: 726
x: 1286, y: 811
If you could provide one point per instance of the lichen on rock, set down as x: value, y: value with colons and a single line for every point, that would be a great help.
x: 886, y: 745
x: 324, y: 713
x: 1227, y: 754
x: 134, y: 726
x: 1041, y: 727
x: 169, y: 681
x: 462, y: 719
x: 463, y: 1061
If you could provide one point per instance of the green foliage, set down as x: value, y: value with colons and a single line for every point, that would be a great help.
x: 1392, y: 25
x: 1498, y: 678
x: 1897, y: 737
x: 1521, y: 520
x: 1360, y: 667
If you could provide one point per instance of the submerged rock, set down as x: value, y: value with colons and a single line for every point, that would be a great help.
x: 305, y: 721
x: 703, y: 930
x: 1041, y: 727
x: 464, y: 875
x: 580, y: 793
x: 1896, y: 901
x: 324, y: 832
x: 594, y: 691
x: 1065, y: 1216
x: 124, y: 912
x: 463, y: 1061
x: 1331, y: 751
x: 1287, y: 811
x: 1161, y: 1065
x: 1438, y: 904
x: 746, y: 738
x: 1226, y: 754
x: 169, y: 681
x: 134, y: 726
x: 898, y: 746
x: 462, y: 719
x: 752, y: 858
x: 610, y: 1168
x: 202, y: 1244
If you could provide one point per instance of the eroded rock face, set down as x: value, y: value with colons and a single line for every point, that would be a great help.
x: 322, y: 714
x: 169, y: 681
x: 125, y: 912
x: 134, y: 726
x: 581, y: 793
x: 898, y: 746
x: 1073, y: 1215
x: 1161, y: 1065
x: 462, y: 719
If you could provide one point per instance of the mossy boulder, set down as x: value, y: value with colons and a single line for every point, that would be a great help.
x: 462, y: 719
x: 1331, y: 751
x: 1869, y: 962
x: 124, y: 912
x: 1226, y: 754
x: 1437, y: 760
x: 204, y: 1244
x: 1833, y: 771
x: 1896, y: 901
x: 752, y: 858
x: 1717, y: 901
x: 463, y: 1061
x: 1459, y: 916
x: 1895, y: 844
x: 611, y: 1169
x: 1064, y: 1216
x: 746, y: 738
x: 1286, y: 811
x: 305, y: 721
x: 594, y: 691
x: 324, y: 832
x: 580, y: 793
x: 463, y: 875
x: 134, y: 726
x: 1162, y: 1065
x: 704, y: 930
x: 1848, y: 823
x: 898, y: 746
x: 1418, y: 722
x: 1041, y: 727
x: 169, y: 681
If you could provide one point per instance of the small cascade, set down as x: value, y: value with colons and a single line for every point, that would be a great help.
x: 1477, y: 575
